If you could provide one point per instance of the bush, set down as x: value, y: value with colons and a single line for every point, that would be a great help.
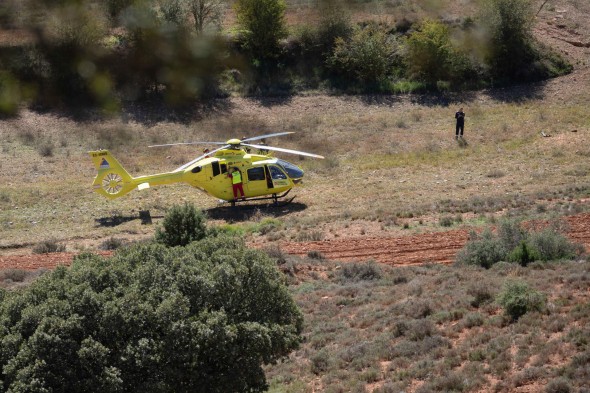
x: 517, y: 298
x: 353, y: 272
x: 511, y: 233
x: 524, y: 254
x: 320, y: 362
x: 431, y: 57
x: 48, y: 246
x: 514, y: 244
x: 484, y: 251
x: 14, y: 275
x: 202, y: 318
x: 182, y: 225
x: 552, y: 245
x: 482, y: 293
x: 445, y: 221
x: 369, y: 56
x: 111, y: 243
x: 558, y: 385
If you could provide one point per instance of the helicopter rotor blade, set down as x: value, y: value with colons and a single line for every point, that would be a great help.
x: 256, y: 138
x: 188, y: 143
x: 301, y: 153
x: 210, y: 153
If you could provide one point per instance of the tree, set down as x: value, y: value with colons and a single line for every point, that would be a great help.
x: 510, y: 48
x: 263, y: 22
x: 201, y: 318
x: 207, y: 14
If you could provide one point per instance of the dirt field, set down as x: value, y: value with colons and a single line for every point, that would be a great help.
x: 439, y: 247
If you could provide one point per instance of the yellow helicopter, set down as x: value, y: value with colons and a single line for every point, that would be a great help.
x: 261, y: 176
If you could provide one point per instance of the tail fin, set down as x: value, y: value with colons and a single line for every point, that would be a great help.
x: 112, y: 180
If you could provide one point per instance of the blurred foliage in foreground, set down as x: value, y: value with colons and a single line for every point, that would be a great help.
x: 106, y: 52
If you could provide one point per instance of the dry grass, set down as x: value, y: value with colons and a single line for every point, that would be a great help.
x: 373, y: 169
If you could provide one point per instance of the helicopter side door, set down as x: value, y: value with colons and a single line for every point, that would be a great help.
x: 278, y: 177
x: 256, y: 181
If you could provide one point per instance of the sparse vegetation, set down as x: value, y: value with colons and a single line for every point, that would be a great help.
x: 408, y: 339
x: 48, y: 246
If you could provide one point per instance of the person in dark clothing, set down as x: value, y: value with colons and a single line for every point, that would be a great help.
x: 460, y: 116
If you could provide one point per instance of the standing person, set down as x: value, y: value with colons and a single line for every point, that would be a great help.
x: 460, y: 116
x: 236, y: 180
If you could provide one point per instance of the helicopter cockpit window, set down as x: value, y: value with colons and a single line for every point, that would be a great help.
x: 292, y: 170
x: 276, y: 173
x: 216, y: 169
x: 196, y: 169
x: 256, y: 173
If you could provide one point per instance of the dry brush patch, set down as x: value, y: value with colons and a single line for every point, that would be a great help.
x: 436, y: 328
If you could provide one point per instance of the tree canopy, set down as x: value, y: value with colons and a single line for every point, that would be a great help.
x: 200, y: 318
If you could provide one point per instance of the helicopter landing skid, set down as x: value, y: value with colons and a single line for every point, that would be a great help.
x: 275, y: 198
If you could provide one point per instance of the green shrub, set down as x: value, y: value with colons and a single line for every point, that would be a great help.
x: 369, y: 56
x: 183, y: 224
x: 552, y: 245
x: 517, y: 298
x: 445, y: 221
x: 335, y: 22
x: 10, y: 93
x: 483, y: 251
x: 524, y: 254
x: 431, y: 57
x: 201, y: 318
x: 514, y: 244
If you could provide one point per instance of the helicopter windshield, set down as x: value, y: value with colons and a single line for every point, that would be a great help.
x: 292, y: 170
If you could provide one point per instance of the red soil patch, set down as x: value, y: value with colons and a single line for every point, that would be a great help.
x: 41, y: 261
x: 438, y: 247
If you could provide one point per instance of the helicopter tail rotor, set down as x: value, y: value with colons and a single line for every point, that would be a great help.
x: 112, y: 180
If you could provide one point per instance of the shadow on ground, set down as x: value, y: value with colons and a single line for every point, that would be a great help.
x: 242, y: 213
x: 118, y: 219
